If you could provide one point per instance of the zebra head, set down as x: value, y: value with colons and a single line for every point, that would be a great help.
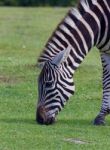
x: 55, y: 86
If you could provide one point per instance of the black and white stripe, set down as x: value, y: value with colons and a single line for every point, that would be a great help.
x: 82, y: 28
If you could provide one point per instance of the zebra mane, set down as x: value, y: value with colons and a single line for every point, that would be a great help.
x: 86, y: 2
x: 47, y: 54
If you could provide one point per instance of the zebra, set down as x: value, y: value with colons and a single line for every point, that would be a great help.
x: 82, y: 28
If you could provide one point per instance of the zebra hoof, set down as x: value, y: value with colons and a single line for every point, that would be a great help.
x: 99, y: 120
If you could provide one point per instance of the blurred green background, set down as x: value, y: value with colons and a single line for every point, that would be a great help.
x: 37, y: 2
x: 23, y: 33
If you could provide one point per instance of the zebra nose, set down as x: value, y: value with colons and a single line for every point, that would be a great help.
x: 40, y: 115
x: 50, y: 121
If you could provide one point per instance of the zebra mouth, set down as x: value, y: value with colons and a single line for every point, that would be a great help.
x: 42, y: 118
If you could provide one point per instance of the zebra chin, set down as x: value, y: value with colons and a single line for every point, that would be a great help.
x: 42, y: 118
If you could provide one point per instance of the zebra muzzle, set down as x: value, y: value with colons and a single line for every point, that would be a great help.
x: 42, y: 118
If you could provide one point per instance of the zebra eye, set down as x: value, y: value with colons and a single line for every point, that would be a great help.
x: 49, y: 84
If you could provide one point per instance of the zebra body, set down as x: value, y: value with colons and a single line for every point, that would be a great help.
x: 82, y: 28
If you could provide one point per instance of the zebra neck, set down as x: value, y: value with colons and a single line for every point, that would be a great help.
x: 78, y: 30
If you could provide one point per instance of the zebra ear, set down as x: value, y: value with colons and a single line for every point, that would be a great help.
x: 61, y: 56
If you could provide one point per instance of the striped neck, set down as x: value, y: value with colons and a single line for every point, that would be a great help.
x: 80, y: 30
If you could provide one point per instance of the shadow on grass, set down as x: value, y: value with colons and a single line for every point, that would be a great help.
x: 76, y: 122
x: 18, y: 121
x: 82, y: 122
x: 59, y: 122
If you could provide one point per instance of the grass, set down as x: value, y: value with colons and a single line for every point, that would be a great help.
x: 23, y: 33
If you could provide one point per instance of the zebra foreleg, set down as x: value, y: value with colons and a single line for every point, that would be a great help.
x: 105, y: 109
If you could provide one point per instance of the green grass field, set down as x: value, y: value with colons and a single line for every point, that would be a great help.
x: 23, y: 33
